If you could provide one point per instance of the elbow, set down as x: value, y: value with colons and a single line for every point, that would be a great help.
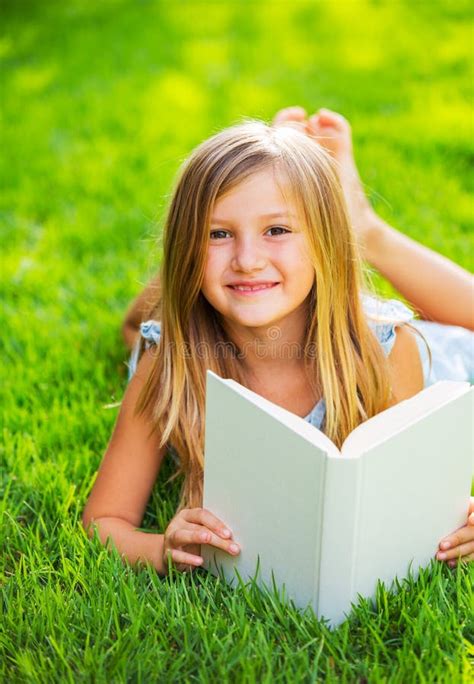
x: 87, y: 520
x: 102, y: 522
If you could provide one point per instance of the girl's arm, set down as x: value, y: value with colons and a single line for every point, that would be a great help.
x: 123, y: 486
x: 436, y: 287
x: 125, y: 480
x: 405, y: 365
x: 139, y: 310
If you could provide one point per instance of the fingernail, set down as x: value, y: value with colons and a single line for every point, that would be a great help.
x: 226, y: 533
x: 442, y: 556
x: 446, y: 545
x: 234, y: 548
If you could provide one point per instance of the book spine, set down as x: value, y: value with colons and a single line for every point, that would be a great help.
x: 334, y: 583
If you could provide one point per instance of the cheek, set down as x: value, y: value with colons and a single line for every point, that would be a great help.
x: 303, y: 267
x: 215, y: 255
x: 212, y: 271
x: 307, y: 278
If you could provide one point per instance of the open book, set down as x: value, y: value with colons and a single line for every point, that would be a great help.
x: 329, y: 523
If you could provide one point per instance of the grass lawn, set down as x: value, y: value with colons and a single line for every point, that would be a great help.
x: 101, y: 101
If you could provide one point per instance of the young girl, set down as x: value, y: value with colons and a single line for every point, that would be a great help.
x: 262, y: 254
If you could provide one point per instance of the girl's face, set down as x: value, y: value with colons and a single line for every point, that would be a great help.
x: 257, y: 271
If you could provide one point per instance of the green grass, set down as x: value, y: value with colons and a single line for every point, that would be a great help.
x: 101, y: 102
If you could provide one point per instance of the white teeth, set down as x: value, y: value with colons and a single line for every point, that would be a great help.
x: 247, y: 288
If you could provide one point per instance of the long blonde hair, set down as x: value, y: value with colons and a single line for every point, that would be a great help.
x: 349, y: 366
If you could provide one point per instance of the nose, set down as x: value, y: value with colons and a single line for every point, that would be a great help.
x: 248, y: 256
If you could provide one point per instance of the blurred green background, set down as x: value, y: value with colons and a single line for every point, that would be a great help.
x: 101, y: 101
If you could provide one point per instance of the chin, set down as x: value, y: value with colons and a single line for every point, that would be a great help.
x: 254, y: 321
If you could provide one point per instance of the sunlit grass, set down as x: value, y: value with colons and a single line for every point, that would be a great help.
x: 101, y: 102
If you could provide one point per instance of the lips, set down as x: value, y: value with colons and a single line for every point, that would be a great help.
x: 252, y: 286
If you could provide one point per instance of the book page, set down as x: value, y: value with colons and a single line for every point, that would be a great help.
x: 265, y: 481
x: 291, y: 420
x: 415, y: 490
x: 389, y: 422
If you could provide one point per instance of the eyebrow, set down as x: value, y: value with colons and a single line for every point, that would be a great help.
x: 275, y: 214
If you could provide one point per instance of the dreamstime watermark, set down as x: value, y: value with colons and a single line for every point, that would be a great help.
x: 259, y: 348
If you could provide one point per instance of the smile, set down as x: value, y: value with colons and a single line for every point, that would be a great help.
x: 252, y: 289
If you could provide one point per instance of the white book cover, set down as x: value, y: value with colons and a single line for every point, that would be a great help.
x: 329, y: 523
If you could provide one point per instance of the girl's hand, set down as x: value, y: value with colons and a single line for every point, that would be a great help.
x: 459, y: 546
x: 190, y: 528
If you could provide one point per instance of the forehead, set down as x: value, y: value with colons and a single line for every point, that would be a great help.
x: 264, y: 192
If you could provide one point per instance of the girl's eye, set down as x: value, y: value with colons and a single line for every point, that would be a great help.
x: 280, y: 228
x: 218, y: 234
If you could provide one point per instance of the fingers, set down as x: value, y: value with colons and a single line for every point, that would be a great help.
x: 324, y: 119
x: 457, y: 545
x: 190, y: 528
x: 289, y: 114
x: 330, y: 118
x: 460, y: 551
x: 183, y: 537
x: 202, y: 516
x: 463, y: 534
x: 178, y: 556
x: 461, y: 559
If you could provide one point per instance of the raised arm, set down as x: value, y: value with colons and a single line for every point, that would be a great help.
x: 125, y: 480
x: 436, y: 287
